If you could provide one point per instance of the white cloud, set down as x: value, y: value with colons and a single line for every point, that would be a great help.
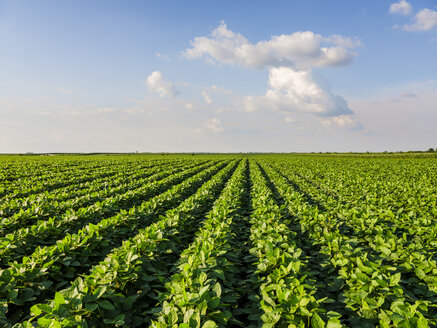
x: 299, y: 49
x: 424, y: 20
x: 156, y: 83
x: 189, y: 106
x: 402, y: 8
x: 290, y: 58
x: 214, y: 125
x: 305, y: 91
x: 290, y: 120
x: 299, y: 91
x: 206, y: 97
x: 343, y: 122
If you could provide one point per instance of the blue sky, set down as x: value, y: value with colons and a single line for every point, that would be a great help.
x: 85, y: 76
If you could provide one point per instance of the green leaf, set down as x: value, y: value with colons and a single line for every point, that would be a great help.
x: 420, y: 273
x: 270, y: 318
x: 217, y: 289
x: 267, y: 299
x: 188, y: 314
x: 422, y: 323
x: 100, y: 291
x: 49, y: 323
x: 35, y: 310
x: 213, y: 303
x: 262, y: 267
x: 202, y: 307
x: 219, y: 274
x: 316, y: 321
x: 385, y: 250
x: 333, y: 320
x: 334, y: 323
x: 59, y: 299
x: 195, y: 320
x: 431, y: 280
x: 173, y: 316
x: 394, y: 279
x: 362, y: 267
x: 91, y: 306
x: 202, y: 277
x: 209, y: 324
x: 106, y: 305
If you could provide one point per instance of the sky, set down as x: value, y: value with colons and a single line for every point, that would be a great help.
x: 218, y: 76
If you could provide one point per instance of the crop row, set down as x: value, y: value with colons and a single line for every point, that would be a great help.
x: 135, y: 267
x: 52, y: 266
x: 410, y: 257
x: 43, y: 181
x: 72, y: 195
x: 370, y: 289
x: 198, y: 293
x: 78, y: 179
x: 126, y: 198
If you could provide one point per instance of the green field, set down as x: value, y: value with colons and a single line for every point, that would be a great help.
x: 243, y: 240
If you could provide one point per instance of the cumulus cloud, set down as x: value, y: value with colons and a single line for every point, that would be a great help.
x: 156, y: 83
x: 299, y: 91
x: 305, y: 91
x: 424, y: 20
x: 290, y: 59
x: 213, y: 125
x: 401, y: 8
x: 299, y: 49
x: 206, y: 97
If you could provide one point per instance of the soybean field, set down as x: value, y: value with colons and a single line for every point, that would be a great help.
x: 225, y: 240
